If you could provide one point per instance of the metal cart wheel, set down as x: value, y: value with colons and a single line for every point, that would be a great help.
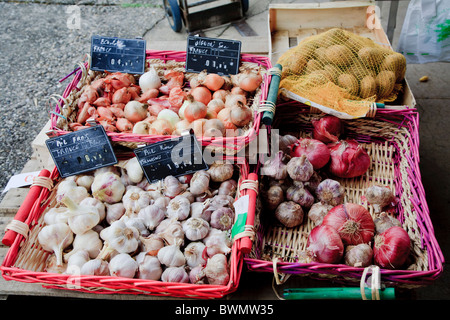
x: 173, y: 14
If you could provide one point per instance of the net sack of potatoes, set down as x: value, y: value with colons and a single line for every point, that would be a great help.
x: 343, y: 72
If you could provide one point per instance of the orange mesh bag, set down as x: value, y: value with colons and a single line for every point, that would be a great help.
x: 341, y: 73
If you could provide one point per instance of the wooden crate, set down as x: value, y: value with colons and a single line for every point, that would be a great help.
x: 291, y: 23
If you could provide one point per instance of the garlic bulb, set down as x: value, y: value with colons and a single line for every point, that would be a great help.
x: 298, y: 194
x: 120, y: 237
x: 384, y: 221
x: 81, y: 217
x: 197, y: 275
x: 162, y: 202
x: 275, y: 168
x: 299, y: 168
x: 194, y: 254
x: 379, y: 197
x: 175, y: 274
x: 173, y: 187
x: 359, y: 256
x: 171, y: 231
x: 56, y: 215
x: 216, y: 270
x: 171, y: 256
x: 84, y: 180
x: 198, y: 210
x: 195, y: 228
x: 137, y: 223
x: 152, y: 215
x: 220, y: 172
x: 95, y: 267
x: 199, y: 183
x: 290, y: 214
x: 179, y: 208
x: 114, y: 211
x: 123, y: 265
x: 148, y: 267
x: 151, y: 244
x: 69, y: 188
x: 222, y: 218
x: 92, y: 202
x: 88, y: 241
x: 228, y: 188
x: 55, y: 238
x: 330, y: 192
x: 135, y: 199
x: 133, y: 170
x: 217, y: 241
x: 76, y: 261
x: 274, y: 196
x: 317, y: 211
x: 107, y: 187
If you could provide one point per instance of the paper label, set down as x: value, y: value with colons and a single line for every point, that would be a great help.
x: 21, y: 180
x: 241, y: 210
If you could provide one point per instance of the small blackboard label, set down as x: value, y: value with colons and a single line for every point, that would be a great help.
x: 213, y: 55
x: 81, y: 151
x: 175, y: 157
x: 118, y: 55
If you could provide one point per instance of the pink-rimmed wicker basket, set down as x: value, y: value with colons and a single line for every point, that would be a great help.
x: 25, y: 261
x: 65, y: 109
x: 391, y: 138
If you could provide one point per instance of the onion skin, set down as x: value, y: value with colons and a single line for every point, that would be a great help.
x: 348, y: 159
x: 316, y: 151
x: 327, y: 129
x: 391, y: 248
x: 325, y: 245
x: 353, y: 223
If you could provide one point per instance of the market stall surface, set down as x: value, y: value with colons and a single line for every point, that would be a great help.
x: 41, y: 43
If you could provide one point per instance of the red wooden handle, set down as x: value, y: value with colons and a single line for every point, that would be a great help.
x: 25, y: 208
x: 246, y: 242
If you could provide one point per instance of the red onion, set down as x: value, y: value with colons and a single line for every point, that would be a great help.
x: 353, y: 223
x: 327, y: 129
x: 316, y: 151
x: 391, y: 248
x: 325, y: 245
x: 348, y: 159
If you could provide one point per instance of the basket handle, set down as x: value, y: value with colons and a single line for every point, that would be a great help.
x: 18, y: 225
x: 246, y: 242
x: 268, y: 106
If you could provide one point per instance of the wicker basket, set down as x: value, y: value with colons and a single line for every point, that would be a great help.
x: 391, y: 138
x: 25, y: 260
x: 65, y: 109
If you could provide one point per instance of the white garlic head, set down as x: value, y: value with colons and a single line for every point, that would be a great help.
x: 152, y: 215
x: 122, y: 238
x: 149, y: 267
x: 107, y: 187
x: 199, y: 183
x: 173, y: 187
x: 222, y: 218
x: 194, y: 254
x: 123, y: 265
x: 95, y: 267
x: 195, y: 228
x: 220, y: 172
x: 217, y: 241
x: 135, y: 199
x: 114, y: 211
x: 171, y: 256
x: 55, y: 215
x: 179, y: 208
x: 55, y: 238
x: 175, y: 274
x: 216, y: 270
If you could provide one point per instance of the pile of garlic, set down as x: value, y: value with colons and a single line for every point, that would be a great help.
x: 112, y: 222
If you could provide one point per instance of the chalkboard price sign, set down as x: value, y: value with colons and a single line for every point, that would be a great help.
x: 118, y: 55
x: 175, y: 157
x: 213, y: 55
x: 81, y: 151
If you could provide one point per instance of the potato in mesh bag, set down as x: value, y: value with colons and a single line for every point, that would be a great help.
x: 360, y: 68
